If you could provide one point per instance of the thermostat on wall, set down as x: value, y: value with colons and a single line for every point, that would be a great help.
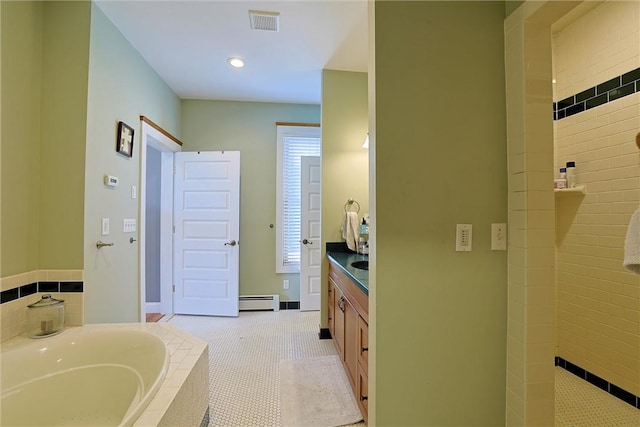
x: 111, y: 181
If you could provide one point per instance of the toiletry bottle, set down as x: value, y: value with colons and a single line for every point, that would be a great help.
x: 561, y: 182
x: 361, y: 245
x: 363, y: 228
x: 571, y: 174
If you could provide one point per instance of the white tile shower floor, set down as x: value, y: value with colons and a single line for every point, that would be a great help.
x: 579, y: 403
x: 244, y: 355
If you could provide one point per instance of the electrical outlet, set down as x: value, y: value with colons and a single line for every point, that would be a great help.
x: 499, y: 237
x: 285, y: 284
x: 463, y: 237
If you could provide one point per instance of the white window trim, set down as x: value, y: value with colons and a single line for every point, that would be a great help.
x: 282, y: 133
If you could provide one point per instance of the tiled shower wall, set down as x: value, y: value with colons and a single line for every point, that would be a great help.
x: 598, y: 302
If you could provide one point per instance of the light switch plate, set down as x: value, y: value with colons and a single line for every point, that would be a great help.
x: 129, y: 225
x: 105, y: 226
x: 463, y: 237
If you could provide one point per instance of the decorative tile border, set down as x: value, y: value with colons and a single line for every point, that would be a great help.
x: 32, y: 288
x: 601, y: 383
x: 618, y: 87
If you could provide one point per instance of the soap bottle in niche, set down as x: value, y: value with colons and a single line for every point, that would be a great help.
x: 571, y: 175
x: 562, y: 181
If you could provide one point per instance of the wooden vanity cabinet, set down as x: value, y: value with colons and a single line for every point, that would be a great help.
x: 348, y: 311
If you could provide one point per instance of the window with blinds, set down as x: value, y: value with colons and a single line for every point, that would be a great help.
x: 294, y: 142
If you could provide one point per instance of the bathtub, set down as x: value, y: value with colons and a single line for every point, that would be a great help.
x: 82, y: 377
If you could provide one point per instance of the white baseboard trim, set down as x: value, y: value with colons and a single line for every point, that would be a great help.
x: 153, y: 307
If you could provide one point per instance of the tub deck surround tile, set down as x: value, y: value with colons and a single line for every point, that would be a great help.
x: 173, y: 386
x: 9, y: 295
x: 18, y: 280
x: 149, y: 418
x: 71, y: 287
x: 29, y: 289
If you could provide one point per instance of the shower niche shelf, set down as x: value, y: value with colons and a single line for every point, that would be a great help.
x: 578, y: 190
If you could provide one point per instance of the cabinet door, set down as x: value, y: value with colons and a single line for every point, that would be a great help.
x: 351, y: 342
x: 338, y: 314
x: 363, y: 343
x: 332, y: 308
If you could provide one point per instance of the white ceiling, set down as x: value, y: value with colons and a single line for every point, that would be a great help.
x: 188, y: 43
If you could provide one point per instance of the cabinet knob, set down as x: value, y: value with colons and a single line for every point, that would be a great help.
x: 363, y: 398
x: 365, y: 349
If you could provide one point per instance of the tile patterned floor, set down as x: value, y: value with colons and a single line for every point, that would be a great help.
x: 244, y: 354
x: 579, y: 403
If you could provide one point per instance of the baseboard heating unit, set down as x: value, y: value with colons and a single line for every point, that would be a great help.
x: 259, y: 303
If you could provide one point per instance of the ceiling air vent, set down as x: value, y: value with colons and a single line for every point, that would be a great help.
x: 266, y: 21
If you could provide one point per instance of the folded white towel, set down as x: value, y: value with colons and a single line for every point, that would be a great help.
x: 632, y: 244
x: 350, y: 230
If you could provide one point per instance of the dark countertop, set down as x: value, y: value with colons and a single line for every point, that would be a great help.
x: 344, y: 259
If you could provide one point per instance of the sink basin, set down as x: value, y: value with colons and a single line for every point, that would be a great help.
x: 362, y: 265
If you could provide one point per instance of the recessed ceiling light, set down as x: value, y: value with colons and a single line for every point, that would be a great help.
x: 236, y: 62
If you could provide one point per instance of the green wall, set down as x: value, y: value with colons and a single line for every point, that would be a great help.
x: 345, y: 164
x: 44, y: 80
x: 511, y: 5
x: 440, y: 150
x: 21, y: 28
x: 249, y: 127
x: 122, y: 87
x: 65, y: 54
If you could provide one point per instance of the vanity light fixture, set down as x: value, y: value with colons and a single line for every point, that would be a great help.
x: 366, y: 141
x: 236, y: 62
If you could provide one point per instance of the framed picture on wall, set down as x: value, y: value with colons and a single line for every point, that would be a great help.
x: 124, y: 140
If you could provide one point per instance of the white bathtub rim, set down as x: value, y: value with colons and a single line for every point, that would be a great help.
x: 167, y: 332
x: 138, y: 406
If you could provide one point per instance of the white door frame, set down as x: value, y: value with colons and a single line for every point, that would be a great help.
x: 150, y: 136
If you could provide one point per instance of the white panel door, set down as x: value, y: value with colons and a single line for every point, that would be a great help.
x: 310, y: 247
x: 207, y: 228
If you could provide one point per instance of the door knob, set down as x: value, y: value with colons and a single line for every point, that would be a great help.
x: 307, y: 242
x: 231, y: 243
